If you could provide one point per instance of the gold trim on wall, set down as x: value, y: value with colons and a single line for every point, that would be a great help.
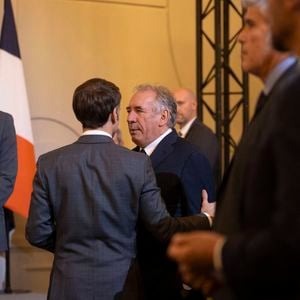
x: 146, y: 3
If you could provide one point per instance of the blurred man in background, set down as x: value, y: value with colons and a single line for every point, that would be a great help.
x: 254, y: 253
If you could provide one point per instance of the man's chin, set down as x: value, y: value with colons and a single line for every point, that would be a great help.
x: 135, y: 140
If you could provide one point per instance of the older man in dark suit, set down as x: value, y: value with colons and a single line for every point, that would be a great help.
x: 181, y: 172
x: 86, y: 201
x: 8, y: 168
x: 256, y: 248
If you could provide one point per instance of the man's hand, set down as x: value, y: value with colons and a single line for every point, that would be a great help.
x: 207, y: 207
x: 206, y: 283
x: 194, y: 254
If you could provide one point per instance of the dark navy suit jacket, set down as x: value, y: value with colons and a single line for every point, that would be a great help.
x: 181, y: 173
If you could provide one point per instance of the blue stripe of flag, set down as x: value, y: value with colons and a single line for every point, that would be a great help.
x: 9, y: 38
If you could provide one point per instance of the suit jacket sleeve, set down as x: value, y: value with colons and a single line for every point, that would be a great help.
x: 155, y: 215
x: 40, y: 227
x: 8, y: 158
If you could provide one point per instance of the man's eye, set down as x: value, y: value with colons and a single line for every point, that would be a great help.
x: 249, y: 24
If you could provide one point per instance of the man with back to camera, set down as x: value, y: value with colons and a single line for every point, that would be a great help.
x: 181, y: 172
x: 254, y: 253
x: 87, y: 198
x: 193, y: 130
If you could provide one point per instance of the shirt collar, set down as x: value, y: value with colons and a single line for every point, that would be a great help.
x: 184, y: 130
x: 151, y: 147
x: 96, y: 132
x: 277, y: 72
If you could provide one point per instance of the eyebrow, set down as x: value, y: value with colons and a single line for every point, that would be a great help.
x: 135, y: 107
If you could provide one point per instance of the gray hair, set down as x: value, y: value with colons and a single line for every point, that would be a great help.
x: 164, y: 100
x: 261, y: 3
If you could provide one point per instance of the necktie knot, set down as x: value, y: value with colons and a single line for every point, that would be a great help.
x: 143, y: 151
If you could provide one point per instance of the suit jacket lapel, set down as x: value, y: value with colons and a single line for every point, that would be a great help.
x: 164, y: 148
x: 263, y: 99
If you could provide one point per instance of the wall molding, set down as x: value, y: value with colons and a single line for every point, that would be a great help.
x: 144, y: 3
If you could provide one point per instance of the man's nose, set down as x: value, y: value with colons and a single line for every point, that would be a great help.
x: 130, y: 117
x: 240, y: 38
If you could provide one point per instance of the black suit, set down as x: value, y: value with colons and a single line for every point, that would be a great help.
x: 8, y: 168
x: 258, y: 206
x: 205, y: 140
x: 181, y: 172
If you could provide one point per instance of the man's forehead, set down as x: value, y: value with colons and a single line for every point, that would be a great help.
x: 184, y: 96
x: 254, y: 12
x: 142, y: 99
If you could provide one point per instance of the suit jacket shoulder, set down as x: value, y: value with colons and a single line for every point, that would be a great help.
x: 205, y: 140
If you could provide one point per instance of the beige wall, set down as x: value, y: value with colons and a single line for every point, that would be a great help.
x: 64, y: 42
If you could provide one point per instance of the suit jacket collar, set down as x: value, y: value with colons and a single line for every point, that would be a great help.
x: 163, y: 149
x: 276, y: 87
x: 278, y: 72
x: 186, y: 128
x: 194, y: 124
x: 94, y: 139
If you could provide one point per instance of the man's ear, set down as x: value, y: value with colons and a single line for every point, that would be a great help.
x: 115, y: 115
x: 164, y: 118
x: 194, y: 105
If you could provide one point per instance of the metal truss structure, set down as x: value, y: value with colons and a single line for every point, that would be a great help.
x: 222, y: 87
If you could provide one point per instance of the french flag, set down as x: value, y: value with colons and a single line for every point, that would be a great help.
x: 13, y: 100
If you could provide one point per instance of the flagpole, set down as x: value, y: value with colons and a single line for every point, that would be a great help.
x: 7, y: 286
